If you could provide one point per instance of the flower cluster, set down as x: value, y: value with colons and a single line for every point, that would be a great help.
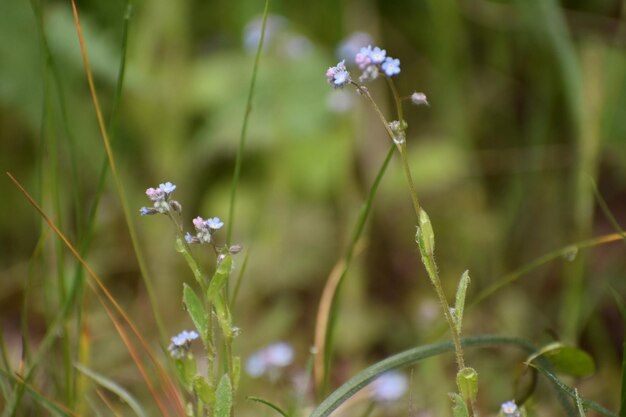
x: 338, y: 76
x: 204, y: 230
x: 390, y: 386
x: 270, y: 359
x: 372, y: 60
x: 181, y: 343
x: 162, y: 202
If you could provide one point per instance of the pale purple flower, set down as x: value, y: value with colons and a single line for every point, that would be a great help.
x: 391, y: 66
x: 352, y: 45
x: 338, y: 76
x: 270, y: 359
x: 363, y: 57
x: 154, y: 194
x: 199, y: 223
x: 167, y: 188
x: 185, y: 337
x: 378, y: 55
x: 509, y: 409
x: 215, y: 223
x: 390, y: 386
x: 181, y: 343
x: 161, y: 197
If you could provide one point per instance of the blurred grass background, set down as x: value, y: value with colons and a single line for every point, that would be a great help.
x: 526, y: 113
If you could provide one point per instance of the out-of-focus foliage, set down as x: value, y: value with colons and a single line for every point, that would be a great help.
x: 526, y: 111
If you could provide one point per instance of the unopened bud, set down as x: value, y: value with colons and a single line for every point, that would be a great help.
x: 419, y: 99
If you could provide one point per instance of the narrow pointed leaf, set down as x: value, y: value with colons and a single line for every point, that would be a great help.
x: 460, y: 408
x: 219, y: 278
x: 196, y: 311
x: 223, y: 397
x: 459, y: 303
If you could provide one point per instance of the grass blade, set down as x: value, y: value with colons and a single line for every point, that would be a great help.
x: 326, y: 313
x: 114, y: 388
x: 269, y: 404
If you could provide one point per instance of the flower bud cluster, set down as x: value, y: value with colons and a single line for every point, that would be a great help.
x: 338, y: 76
x: 161, y: 198
x: 373, y: 60
x: 181, y: 343
x: 204, y: 230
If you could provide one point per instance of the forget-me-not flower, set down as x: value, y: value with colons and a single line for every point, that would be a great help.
x: 181, y: 343
x: 161, y: 198
x: 509, y: 409
x: 338, y: 76
x: 391, y: 66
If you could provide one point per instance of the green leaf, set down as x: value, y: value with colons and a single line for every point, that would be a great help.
x: 113, y: 387
x: 567, y: 360
x: 223, y: 317
x: 183, y: 248
x: 459, y: 303
x: 269, y: 404
x: 425, y: 236
x: 202, y: 388
x: 219, y: 278
x: 571, y: 393
x: 196, y: 311
x: 460, y: 408
x: 223, y: 397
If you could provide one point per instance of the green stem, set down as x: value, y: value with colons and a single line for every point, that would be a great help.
x: 244, y: 128
x: 427, y: 258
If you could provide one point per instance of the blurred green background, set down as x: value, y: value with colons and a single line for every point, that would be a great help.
x: 527, y: 113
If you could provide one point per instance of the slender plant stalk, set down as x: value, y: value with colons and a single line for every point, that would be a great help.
x: 244, y: 129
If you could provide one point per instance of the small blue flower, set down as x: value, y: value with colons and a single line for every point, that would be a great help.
x: 189, y: 238
x: 181, y: 343
x: 391, y: 66
x: 270, y: 359
x: 389, y: 386
x: 338, y: 76
x: 509, y: 409
x: 378, y: 55
x: 145, y: 211
x: 167, y: 188
x: 185, y: 337
x: 215, y: 223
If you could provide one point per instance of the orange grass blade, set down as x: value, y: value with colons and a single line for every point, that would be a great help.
x: 323, y: 315
x: 107, y: 403
x: 134, y: 355
x: 162, y: 374
x: 116, y: 178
